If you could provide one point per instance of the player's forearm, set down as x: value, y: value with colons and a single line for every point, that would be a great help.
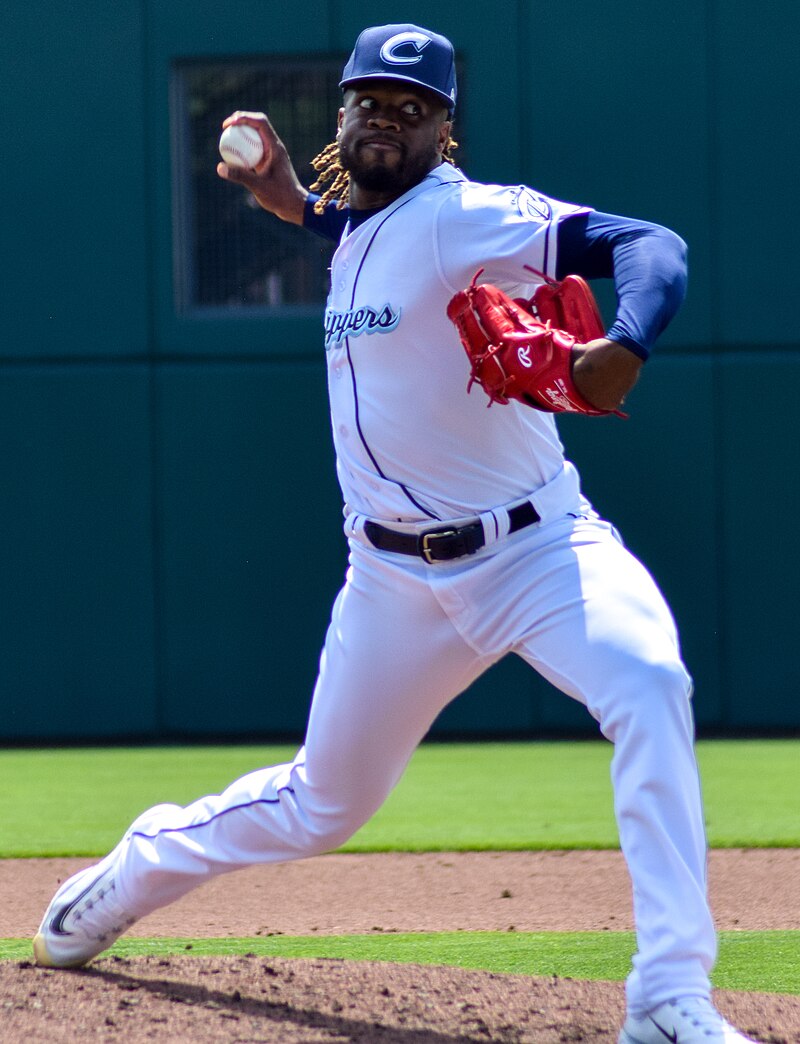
x: 279, y: 196
x: 289, y: 208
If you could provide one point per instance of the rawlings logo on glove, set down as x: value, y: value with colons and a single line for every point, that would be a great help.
x: 523, y: 349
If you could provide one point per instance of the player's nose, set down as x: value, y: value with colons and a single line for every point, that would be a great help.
x: 383, y: 121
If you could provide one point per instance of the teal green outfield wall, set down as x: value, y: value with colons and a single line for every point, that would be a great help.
x: 171, y: 522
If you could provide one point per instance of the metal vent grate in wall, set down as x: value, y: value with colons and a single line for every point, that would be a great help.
x: 228, y: 253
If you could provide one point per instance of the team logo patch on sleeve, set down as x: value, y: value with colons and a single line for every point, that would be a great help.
x: 532, y: 206
x: 357, y: 321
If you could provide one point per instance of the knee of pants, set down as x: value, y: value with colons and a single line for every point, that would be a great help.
x: 323, y: 835
x: 323, y: 830
x: 649, y: 698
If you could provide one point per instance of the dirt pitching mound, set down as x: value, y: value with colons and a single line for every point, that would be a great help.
x: 267, y: 999
x: 252, y: 998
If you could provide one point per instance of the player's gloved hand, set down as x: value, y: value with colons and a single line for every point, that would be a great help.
x: 523, y: 350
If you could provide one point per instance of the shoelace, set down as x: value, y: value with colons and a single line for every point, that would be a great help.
x: 83, y: 913
x: 702, y: 1013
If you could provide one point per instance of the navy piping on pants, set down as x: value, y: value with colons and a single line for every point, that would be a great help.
x: 224, y: 812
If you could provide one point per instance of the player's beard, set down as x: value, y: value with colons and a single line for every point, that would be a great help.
x: 382, y: 177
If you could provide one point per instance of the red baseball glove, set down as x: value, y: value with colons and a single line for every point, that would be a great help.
x: 523, y: 349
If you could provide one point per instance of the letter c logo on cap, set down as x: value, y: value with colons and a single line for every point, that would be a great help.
x: 417, y: 40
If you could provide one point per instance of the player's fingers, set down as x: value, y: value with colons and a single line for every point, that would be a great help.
x: 243, y: 116
x: 258, y: 120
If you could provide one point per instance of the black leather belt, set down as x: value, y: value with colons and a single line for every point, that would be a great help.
x: 442, y: 545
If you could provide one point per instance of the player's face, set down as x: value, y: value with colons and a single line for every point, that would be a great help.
x: 390, y: 137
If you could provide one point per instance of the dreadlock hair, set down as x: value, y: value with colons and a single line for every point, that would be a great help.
x: 329, y: 168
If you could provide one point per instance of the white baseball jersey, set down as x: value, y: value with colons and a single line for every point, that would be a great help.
x: 411, y: 444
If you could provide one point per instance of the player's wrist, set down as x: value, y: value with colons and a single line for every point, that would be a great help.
x: 604, y: 372
x: 617, y: 333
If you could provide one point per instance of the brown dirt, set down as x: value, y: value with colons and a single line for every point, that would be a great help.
x: 299, y: 1002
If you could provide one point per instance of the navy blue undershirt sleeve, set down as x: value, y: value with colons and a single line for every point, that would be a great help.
x: 647, y: 263
x: 329, y: 224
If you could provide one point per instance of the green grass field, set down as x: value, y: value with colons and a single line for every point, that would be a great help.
x: 497, y: 796
x: 763, y: 961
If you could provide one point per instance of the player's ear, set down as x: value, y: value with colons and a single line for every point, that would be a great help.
x: 444, y: 134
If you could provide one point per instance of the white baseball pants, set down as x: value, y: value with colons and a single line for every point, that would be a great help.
x: 405, y: 638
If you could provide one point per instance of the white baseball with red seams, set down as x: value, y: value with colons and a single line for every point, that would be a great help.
x: 240, y: 145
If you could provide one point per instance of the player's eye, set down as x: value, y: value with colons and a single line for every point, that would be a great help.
x: 367, y: 103
x: 412, y: 109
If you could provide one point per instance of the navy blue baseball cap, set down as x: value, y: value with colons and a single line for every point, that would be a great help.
x: 404, y: 52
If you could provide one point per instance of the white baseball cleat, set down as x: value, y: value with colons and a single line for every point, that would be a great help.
x: 83, y: 918
x: 686, y: 1020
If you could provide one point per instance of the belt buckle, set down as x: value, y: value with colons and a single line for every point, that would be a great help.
x: 427, y: 550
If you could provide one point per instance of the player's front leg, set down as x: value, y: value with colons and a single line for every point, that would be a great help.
x: 391, y: 661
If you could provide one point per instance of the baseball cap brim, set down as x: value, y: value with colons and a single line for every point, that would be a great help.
x: 443, y: 98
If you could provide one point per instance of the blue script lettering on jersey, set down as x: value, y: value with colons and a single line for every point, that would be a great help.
x: 357, y: 321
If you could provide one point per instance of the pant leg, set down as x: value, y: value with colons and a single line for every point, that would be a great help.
x: 604, y: 635
x: 392, y: 660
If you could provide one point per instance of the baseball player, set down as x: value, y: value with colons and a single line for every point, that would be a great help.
x: 468, y: 533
